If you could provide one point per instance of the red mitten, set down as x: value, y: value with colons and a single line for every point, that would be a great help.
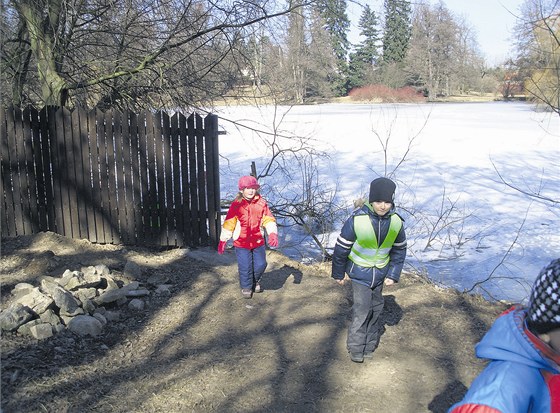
x: 273, y: 239
x: 221, y: 247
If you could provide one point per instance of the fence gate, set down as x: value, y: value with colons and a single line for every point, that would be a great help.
x: 110, y: 177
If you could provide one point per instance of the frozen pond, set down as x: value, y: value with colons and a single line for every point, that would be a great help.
x: 477, y: 182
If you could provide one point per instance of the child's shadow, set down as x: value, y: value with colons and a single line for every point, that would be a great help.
x: 392, y: 312
x: 278, y: 278
x: 390, y: 316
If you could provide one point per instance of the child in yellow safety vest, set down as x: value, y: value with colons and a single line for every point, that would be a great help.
x: 370, y: 251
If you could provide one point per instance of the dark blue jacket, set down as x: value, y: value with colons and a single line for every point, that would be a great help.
x: 371, y: 277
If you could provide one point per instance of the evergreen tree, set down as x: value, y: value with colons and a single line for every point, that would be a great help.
x: 363, y: 60
x: 337, y: 25
x: 398, y: 29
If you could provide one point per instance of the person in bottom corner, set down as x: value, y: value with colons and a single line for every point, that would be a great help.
x: 247, y: 216
x: 370, y: 252
x: 523, y: 346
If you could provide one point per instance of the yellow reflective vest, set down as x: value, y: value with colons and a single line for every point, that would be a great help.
x: 366, y: 251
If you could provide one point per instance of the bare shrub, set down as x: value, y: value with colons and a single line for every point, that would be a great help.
x: 385, y: 94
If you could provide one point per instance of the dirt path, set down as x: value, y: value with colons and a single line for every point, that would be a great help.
x: 203, y: 348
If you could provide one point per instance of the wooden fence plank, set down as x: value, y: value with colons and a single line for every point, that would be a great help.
x: 111, y: 176
x: 38, y: 156
x: 97, y: 153
x: 168, y: 180
x: 18, y: 187
x: 69, y: 181
x: 176, y: 168
x: 81, y: 188
x: 213, y: 179
x: 152, y: 204
x: 186, y: 227
x: 90, y: 162
x: 126, y: 191
x: 193, y: 201
x: 201, y: 181
x: 120, y: 179
x: 160, y: 170
x: 133, y: 189
x: 46, y: 120
x: 8, y: 206
x: 143, y: 184
x: 31, y: 213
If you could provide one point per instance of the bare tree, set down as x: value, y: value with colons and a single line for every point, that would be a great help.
x: 538, y: 46
x: 127, y: 52
x: 442, y: 55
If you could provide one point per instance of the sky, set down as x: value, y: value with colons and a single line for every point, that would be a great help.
x: 492, y: 20
x: 464, y: 223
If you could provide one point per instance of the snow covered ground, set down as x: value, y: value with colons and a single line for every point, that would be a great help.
x: 466, y: 173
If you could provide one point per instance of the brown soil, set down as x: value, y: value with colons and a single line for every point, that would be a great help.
x: 203, y: 348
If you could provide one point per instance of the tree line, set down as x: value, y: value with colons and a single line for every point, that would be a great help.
x: 183, y: 53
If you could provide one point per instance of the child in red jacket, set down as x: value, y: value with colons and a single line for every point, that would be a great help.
x: 245, y: 220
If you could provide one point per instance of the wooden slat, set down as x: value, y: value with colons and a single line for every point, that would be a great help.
x: 31, y: 210
x: 89, y: 160
x: 70, y: 184
x: 111, y: 177
x: 168, y: 181
x: 48, y: 142
x: 186, y: 227
x: 98, y: 161
x: 160, y: 170
x: 120, y: 178
x: 38, y: 157
x: 86, y: 208
x: 193, y: 201
x: 201, y: 181
x: 176, y: 165
x: 8, y: 219
x: 143, y: 187
x: 131, y: 170
x: 152, y: 198
x: 213, y: 178
x: 79, y: 190
x: 17, y: 161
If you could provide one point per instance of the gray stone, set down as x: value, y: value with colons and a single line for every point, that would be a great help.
x: 163, y: 289
x: 89, y: 306
x: 138, y: 293
x: 84, y: 325
x: 50, y: 317
x: 41, y: 331
x: 101, y: 318
x: 132, y: 271
x: 15, y: 316
x: 136, y: 304
x: 68, y: 305
x: 22, y: 289
x: 25, y: 329
x: 36, y: 301
x: 112, y: 315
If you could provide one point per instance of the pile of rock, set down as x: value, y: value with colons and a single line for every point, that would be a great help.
x: 82, y: 301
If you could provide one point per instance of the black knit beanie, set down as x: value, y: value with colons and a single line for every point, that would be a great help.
x: 382, y: 189
x: 544, y: 305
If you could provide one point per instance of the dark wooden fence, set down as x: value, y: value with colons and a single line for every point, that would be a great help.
x: 110, y: 177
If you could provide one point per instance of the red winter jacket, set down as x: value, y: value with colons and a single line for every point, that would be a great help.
x: 245, y: 221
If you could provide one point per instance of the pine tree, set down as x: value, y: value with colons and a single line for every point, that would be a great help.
x: 398, y: 29
x: 337, y: 25
x: 363, y: 60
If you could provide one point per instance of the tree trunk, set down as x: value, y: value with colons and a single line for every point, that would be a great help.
x: 42, y: 39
